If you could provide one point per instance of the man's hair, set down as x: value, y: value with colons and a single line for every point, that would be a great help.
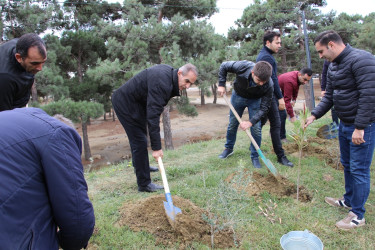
x: 30, y: 40
x: 305, y: 71
x: 263, y: 70
x: 187, y: 68
x: 269, y: 36
x: 326, y: 36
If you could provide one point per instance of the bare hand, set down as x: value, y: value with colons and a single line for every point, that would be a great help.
x: 357, y: 137
x: 157, y: 153
x: 293, y: 119
x: 322, y: 93
x: 309, y: 120
x: 281, y: 104
x: 245, y: 125
x: 221, y: 90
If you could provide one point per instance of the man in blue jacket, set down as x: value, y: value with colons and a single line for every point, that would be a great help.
x: 138, y: 105
x: 21, y: 59
x: 271, y: 45
x: 252, y: 89
x: 351, y: 90
x: 43, y: 193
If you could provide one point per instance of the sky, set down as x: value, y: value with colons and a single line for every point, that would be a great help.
x: 231, y: 10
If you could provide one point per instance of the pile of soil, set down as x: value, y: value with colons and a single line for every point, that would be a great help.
x: 325, y: 150
x: 278, y: 186
x: 149, y: 215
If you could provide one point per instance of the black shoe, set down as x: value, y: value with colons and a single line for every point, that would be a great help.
x: 283, y: 160
x: 256, y: 162
x: 226, y: 153
x: 153, y: 169
x: 150, y: 188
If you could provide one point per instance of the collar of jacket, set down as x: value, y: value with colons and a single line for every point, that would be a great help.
x: 268, y: 50
x: 176, y: 90
x: 343, y: 54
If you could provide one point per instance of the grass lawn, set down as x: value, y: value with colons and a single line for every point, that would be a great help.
x: 195, y: 173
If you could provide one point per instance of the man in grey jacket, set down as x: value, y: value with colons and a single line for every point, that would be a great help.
x: 351, y: 90
x: 253, y: 90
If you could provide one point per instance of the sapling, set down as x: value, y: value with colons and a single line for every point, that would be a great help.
x: 299, y: 136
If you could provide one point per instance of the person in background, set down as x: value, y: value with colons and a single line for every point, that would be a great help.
x: 138, y: 105
x: 289, y: 85
x: 21, y: 59
x: 271, y: 45
x: 351, y: 90
x: 253, y: 90
x: 43, y: 198
x: 323, y: 84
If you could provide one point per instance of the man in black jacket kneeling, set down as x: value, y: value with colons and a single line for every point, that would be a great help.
x: 138, y: 105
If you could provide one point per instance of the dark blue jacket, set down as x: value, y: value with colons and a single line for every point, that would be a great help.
x: 245, y: 87
x: 350, y: 88
x: 15, y: 82
x: 266, y: 55
x: 42, y: 184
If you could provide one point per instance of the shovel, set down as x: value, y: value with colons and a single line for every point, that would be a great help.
x: 170, y: 210
x: 328, y: 131
x: 264, y: 159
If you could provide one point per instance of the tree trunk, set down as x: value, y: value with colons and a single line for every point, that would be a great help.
x: 214, y: 92
x: 86, y: 145
x: 34, y: 93
x: 113, y: 115
x: 307, y: 92
x: 203, y: 102
x: 167, y: 129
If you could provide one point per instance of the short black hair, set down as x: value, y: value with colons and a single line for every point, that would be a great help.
x: 305, y: 71
x: 326, y: 36
x: 263, y: 70
x: 29, y: 40
x: 269, y: 36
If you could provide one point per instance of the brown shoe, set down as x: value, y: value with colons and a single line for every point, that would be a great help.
x: 336, y: 202
x: 351, y: 221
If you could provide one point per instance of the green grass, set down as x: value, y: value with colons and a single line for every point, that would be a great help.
x: 195, y: 173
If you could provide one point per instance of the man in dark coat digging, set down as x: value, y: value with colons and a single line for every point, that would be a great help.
x: 139, y: 103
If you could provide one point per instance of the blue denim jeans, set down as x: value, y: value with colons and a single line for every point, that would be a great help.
x: 356, y: 160
x: 239, y: 103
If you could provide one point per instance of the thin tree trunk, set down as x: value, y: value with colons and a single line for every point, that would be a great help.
x: 203, y: 102
x: 86, y: 146
x: 34, y: 93
x: 168, y: 143
x: 214, y: 92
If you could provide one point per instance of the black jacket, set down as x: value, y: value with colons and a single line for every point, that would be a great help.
x: 244, y: 87
x: 15, y: 82
x: 266, y: 55
x: 350, y: 88
x: 144, y: 96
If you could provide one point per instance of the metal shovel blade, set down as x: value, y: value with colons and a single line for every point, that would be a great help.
x: 327, y: 131
x: 170, y: 210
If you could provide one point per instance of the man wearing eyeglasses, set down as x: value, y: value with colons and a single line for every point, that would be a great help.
x: 289, y: 84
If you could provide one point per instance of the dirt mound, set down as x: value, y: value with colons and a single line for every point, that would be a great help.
x: 325, y: 150
x: 255, y: 183
x: 149, y: 215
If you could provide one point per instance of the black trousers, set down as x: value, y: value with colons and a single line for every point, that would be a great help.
x: 283, y: 116
x: 136, y: 131
x: 275, y: 124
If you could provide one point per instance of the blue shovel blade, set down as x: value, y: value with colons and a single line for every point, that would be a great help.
x: 170, y: 209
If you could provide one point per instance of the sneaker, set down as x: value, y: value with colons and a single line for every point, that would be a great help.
x: 226, y: 153
x: 351, y: 221
x: 284, y: 161
x: 256, y: 162
x: 336, y: 202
